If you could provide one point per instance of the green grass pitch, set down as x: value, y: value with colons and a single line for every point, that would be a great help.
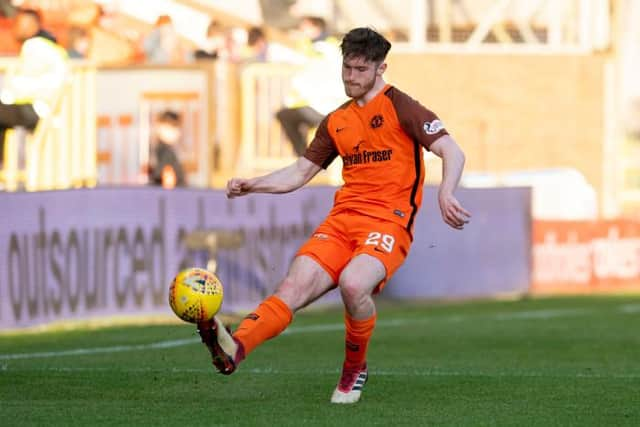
x: 541, y: 362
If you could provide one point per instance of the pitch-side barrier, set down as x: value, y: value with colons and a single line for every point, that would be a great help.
x: 97, y: 253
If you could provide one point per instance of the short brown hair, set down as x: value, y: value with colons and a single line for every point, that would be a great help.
x: 366, y: 43
x: 169, y: 116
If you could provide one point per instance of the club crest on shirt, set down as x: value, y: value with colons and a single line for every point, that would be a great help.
x: 431, y: 128
x: 377, y: 121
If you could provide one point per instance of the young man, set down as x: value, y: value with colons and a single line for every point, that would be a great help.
x: 165, y: 166
x: 313, y: 94
x: 380, y: 135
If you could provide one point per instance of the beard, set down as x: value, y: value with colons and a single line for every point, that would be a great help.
x: 359, y: 90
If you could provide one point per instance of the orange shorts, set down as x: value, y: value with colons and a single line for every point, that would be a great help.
x: 344, y: 235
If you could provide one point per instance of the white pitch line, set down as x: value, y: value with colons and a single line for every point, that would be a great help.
x: 630, y: 308
x: 541, y: 314
x: 173, y: 343
x: 374, y: 372
x: 99, y: 350
x: 330, y: 327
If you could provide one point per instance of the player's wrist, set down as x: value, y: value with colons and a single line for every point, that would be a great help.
x: 445, y: 192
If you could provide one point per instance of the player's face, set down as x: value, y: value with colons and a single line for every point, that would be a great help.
x: 359, y: 76
x: 24, y: 27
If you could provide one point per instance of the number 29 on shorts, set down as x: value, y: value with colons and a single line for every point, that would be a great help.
x: 384, y: 241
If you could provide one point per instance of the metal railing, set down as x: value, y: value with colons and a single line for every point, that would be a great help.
x: 264, y: 88
x: 264, y: 145
x: 61, y: 151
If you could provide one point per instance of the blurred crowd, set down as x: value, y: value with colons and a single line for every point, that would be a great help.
x: 104, y: 37
x: 89, y: 31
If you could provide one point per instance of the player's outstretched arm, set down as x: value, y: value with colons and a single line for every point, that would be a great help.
x: 283, y: 180
x: 452, y: 164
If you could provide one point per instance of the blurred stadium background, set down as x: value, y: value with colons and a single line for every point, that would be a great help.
x: 542, y: 95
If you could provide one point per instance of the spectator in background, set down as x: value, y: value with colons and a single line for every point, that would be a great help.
x: 214, y: 45
x: 6, y: 8
x: 257, y: 45
x: 28, y: 25
x: 108, y: 45
x: 313, y: 29
x: 33, y: 86
x: 315, y: 89
x: 165, y: 167
x: 78, y: 42
x: 259, y: 49
x: 162, y: 45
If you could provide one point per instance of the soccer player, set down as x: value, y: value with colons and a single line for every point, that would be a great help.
x: 379, y: 134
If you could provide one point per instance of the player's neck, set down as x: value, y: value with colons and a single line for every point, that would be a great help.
x: 375, y: 90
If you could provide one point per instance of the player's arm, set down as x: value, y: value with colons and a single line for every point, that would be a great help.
x: 452, y: 164
x: 422, y: 125
x: 283, y: 180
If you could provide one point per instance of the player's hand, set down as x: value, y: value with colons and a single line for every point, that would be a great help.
x: 168, y: 178
x: 452, y: 212
x: 237, y: 187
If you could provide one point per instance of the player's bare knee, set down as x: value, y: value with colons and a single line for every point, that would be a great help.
x: 353, y: 292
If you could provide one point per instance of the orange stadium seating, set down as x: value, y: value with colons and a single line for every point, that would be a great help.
x: 8, y: 45
x: 53, y: 21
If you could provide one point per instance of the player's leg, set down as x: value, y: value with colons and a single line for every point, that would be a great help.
x: 314, y: 271
x: 357, y: 283
x: 382, y: 247
x: 9, y: 115
x: 12, y: 115
x: 305, y: 282
x: 2, y: 136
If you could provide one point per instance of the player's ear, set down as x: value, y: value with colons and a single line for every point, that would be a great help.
x: 381, y: 69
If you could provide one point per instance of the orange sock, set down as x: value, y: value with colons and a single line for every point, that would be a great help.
x: 267, y: 321
x: 358, y: 334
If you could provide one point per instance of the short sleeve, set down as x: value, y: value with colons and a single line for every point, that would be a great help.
x: 322, y: 150
x: 420, y: 123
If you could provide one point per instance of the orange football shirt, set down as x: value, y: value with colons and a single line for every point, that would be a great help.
x: 380, y: 145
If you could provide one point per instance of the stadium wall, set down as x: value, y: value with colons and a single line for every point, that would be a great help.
x: 80, y: 254
x: 514, y: 112
x: 490, y: 257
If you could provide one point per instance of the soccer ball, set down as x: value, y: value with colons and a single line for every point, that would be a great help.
x: 195, y: 295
